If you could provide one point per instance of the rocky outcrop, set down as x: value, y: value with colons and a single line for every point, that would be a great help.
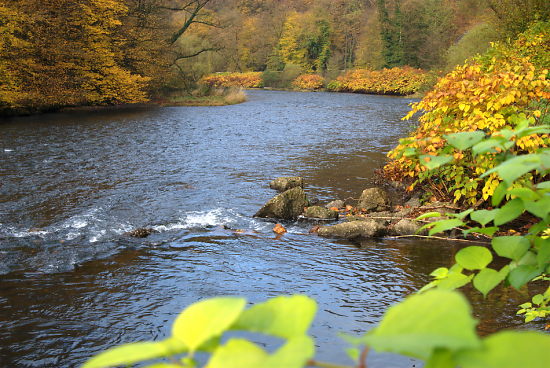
x: 283, y: 184
x: 321, y: 213
x: 352, y: 230
x: 287, y: 205
x: 374, y: 199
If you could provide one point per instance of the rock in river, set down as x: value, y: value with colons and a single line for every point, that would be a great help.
x: 285, y: 183
x: 322, y: 213
x: 374, y: 199
x: 287, y: 205
x: 352, y: 230
x: 140, y: 232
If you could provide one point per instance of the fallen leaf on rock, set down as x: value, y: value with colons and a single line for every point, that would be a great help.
x: 333, y: 208
x: 314, y: 229
x: 279, y: 229
x: 349, y: 208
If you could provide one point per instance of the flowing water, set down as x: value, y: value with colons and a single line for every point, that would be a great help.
x: 72, y: 284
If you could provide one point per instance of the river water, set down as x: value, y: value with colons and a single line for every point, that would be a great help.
x: 71, y: 184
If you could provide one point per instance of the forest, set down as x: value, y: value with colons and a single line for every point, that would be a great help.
x: 103, y: 52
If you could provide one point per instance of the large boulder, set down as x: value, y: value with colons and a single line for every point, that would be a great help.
x: 352, y: 230
x: 285, y: 183
x: 374, y: 199
x: 322, y: 213
x: 287, y: 205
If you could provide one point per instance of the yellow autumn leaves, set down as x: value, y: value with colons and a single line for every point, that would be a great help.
x: 487, y: 93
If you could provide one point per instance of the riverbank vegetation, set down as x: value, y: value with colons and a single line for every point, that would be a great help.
x: 104, y: 52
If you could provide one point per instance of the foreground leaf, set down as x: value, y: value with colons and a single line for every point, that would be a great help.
x: 207, y: 319
x: 136, y: 352
x: 474, y: 257
x: 425, y: 322
x: 294, y: 354
x: 282, y: 316
x: 487, y: 279
x: 509, y: 349
x: 464, y: 140
x: 513, y: 247
x: 238, y: 353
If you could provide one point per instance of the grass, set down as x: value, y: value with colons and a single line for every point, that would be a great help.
x: 232, y: 97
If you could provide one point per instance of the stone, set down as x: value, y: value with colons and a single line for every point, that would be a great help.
x: 413, y: 202
x: 140, y: 232
x: 287, y: 205
x: 374, y: 199
x: 285, y: 183
x: 318, y: 212
x: 405, y: 227
x: 352, y: 230
x: 336, y: 204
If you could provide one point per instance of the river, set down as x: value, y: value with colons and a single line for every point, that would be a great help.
x: 71, y: 184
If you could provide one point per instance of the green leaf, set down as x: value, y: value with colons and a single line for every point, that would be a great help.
x: 425, y: 322
x: 441, y: 358
x: 521, y: 275
x: 282, y: 316
x: 487, y: 279
x: 509, y: 212
x: 515, y: 167
x: 508, y: 349
x: 525, y: 194
x: 499, y: 194
x: 238, y: 353
x: 540, y: 208
x: 513, y: 247
x: 409, y: 151
x: 206, y: 319
x: 164, y: 365
x: 482, y: 230
x: 538, y: 299
x: 543, y: 254
x: 474, y: 257
x: 454, y: 280
x: 462, y: 214
x: 483, y: 216
x: 433, y: 162
x: 440, y: 273
x: 353, y: 353
x: 488, y: 145
x: 294, y: 354
x: 428, y: 215
x: 464, y: 140
x: 136, y: 352
x: 544, y: 185
x: 444, y: 225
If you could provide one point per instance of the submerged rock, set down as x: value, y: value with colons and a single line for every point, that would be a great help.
x: 287, y: 205
x: 140, y: 232
x: 405, y: 227
x: 374, y: 199
x: 352, y: 230
x: 322, y: 213
x: 285, y: 183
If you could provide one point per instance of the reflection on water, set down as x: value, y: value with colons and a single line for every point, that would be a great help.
x: 72, y: 184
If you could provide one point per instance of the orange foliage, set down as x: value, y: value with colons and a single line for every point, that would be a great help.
x: 245, y: 80
x: 395, y: 81
x: 309, y: 81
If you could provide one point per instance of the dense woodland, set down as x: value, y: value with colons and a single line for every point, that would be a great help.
x: 94, y: 52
